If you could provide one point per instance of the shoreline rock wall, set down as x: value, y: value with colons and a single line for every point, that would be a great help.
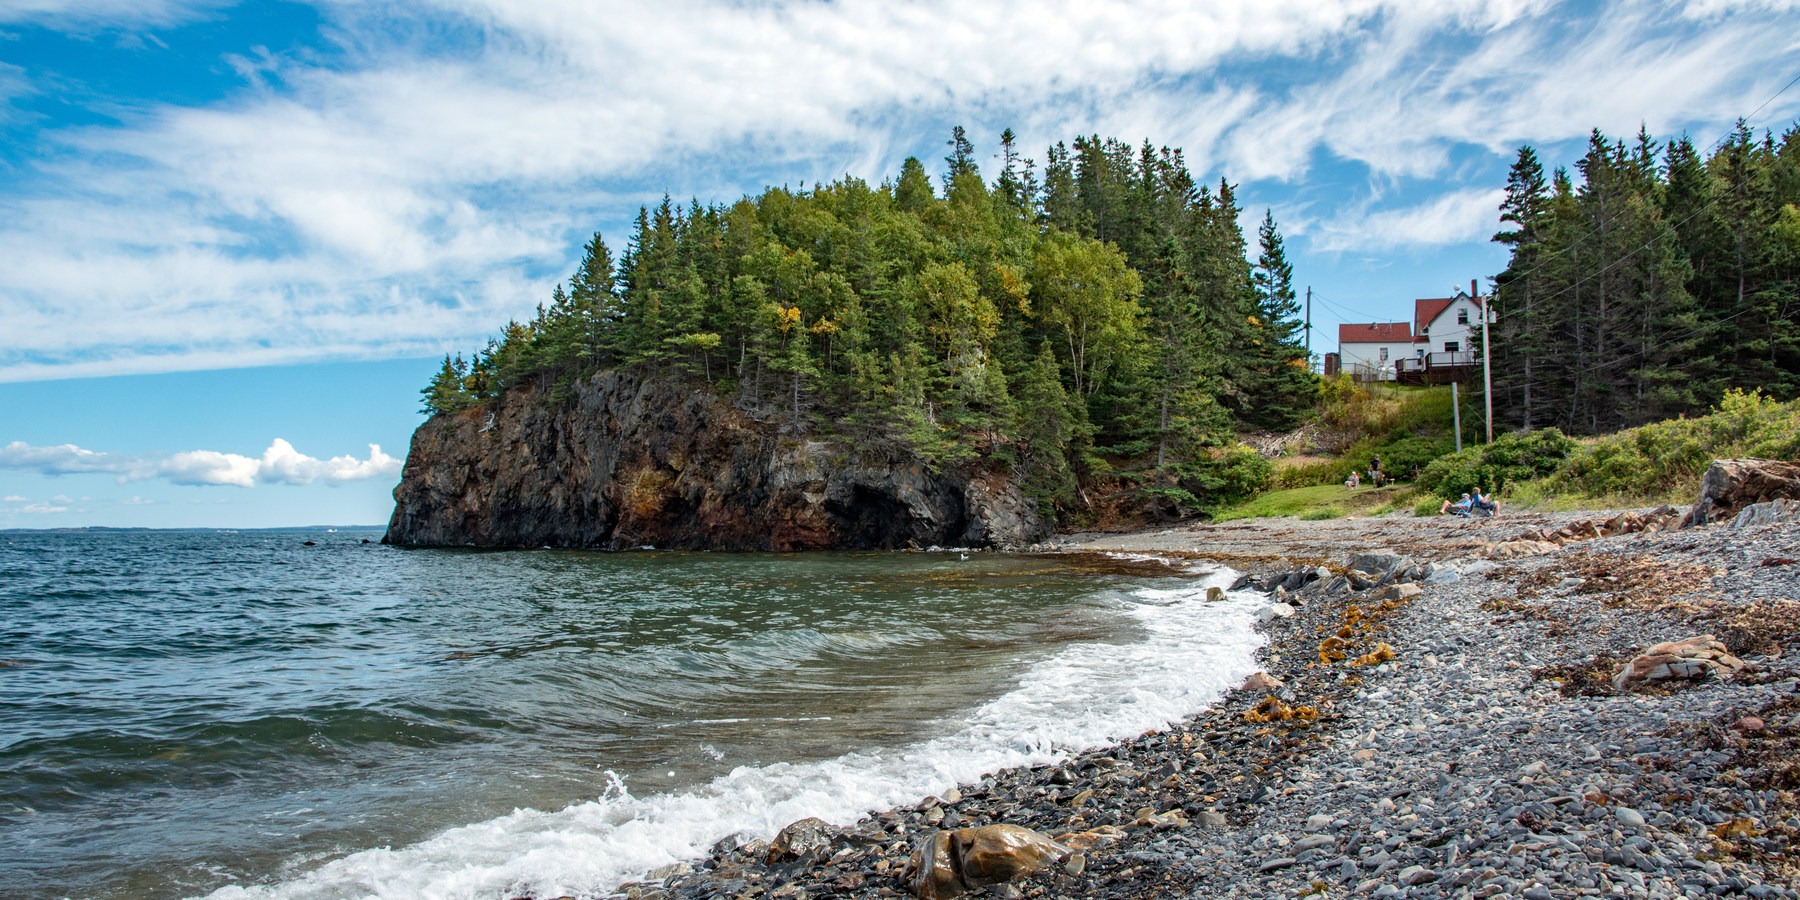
x: 632, y: 462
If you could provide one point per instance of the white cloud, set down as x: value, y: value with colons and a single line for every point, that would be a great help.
x: 412, y: 195
x: 279, y: 464
x: 42, y: 508
x: 14, y: 498
x: 85, y: 14
x: 137, y: 501
x: 1471, y: 215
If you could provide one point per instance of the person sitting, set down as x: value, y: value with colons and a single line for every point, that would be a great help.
x: 1482, y: 504
x: 1353, y: 481
x: 1458, y: 508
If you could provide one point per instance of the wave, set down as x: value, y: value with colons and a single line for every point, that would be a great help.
x: 1086, y: 696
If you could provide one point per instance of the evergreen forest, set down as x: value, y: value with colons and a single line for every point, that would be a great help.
x: 1648, y: 284
x: 1102, y: 315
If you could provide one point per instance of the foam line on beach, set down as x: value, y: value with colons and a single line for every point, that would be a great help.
x: 1088, y: 695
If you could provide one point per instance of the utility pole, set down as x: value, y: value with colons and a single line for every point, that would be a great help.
x: 1309, y: 353
x: 1487, y: 354
x: 1456, y: 412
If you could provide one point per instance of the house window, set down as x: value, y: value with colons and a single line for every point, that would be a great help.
x: 1384, y: 354
x: 1462, y: 317
x: 1452, y: 346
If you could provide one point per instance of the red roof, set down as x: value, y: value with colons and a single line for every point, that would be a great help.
x: 1428, y: 309
x: 1376, y: 333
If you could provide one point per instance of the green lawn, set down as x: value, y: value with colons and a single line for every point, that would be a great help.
x: 1323, y: 501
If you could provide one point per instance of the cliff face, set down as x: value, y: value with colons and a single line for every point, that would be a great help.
x: 632, y: 462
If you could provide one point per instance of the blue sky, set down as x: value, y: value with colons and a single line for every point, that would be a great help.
x: 235, y: 237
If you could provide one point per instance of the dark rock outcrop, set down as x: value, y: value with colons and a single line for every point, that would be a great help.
x: 1729, y: 485
x: 632, y: 462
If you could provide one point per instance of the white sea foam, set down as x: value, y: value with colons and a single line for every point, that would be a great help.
x: 1085, y: 696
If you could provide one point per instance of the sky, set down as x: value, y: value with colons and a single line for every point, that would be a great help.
x: 236, y: 238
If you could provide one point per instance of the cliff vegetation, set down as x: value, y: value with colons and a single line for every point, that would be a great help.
x: 1098, y: 321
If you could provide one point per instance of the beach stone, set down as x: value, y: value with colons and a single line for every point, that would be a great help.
x: 1520, y: 547
x: 1404, y: 591
x: 950, y: 863
x: 1442, y: 575
x: 1412, y: 876
x: 1262, y: 682
x: 807, y: 837
x: 1628, y: 817
x: 1748, y: 724
x: 1087, y: 840
x: 1274, y: 611
x: 1215, y: 594
x: 1695, y: 657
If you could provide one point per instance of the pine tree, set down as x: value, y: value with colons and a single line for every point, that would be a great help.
x: 1276, y: 377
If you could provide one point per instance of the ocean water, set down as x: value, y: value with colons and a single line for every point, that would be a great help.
x: 242, y: 715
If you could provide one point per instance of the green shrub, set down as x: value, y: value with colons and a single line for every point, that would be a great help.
x: 1665, y: 458
x: 1229, y: 476
x: 1456, y: 474
x: 1530, y: 454
x: 1404, y: 453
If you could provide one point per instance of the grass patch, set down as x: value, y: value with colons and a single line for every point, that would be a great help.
x: 1319, y: 501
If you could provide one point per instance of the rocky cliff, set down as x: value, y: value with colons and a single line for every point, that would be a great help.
x: 632, y: 462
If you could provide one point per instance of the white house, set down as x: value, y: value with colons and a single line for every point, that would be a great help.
x: 1444, y: 326
x: 1369, y: 352
x: 1435, y: 347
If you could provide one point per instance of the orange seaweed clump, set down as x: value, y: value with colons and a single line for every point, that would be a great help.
x: 1273, y: 710
x: 1382, y: 653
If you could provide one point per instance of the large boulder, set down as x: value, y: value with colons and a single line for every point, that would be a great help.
x: 948, y: 863
x: 808, y: 838
x: 1693, y: 658
x: 1729, y: 485
x: 1779, y: 510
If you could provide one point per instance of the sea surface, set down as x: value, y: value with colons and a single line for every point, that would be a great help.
x: 244, y: 715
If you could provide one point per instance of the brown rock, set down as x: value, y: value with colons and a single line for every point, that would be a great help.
x: 1695, y: 657
x: 949, y: 863
x: 1748, y: 724
x: 1087, y: 840
x: 807, y: 837
x: 1729, y: 485
x: 1262, y: 681
x: 1519, y: 547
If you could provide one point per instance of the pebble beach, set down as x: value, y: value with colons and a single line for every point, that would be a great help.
x: 1431, y: 722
